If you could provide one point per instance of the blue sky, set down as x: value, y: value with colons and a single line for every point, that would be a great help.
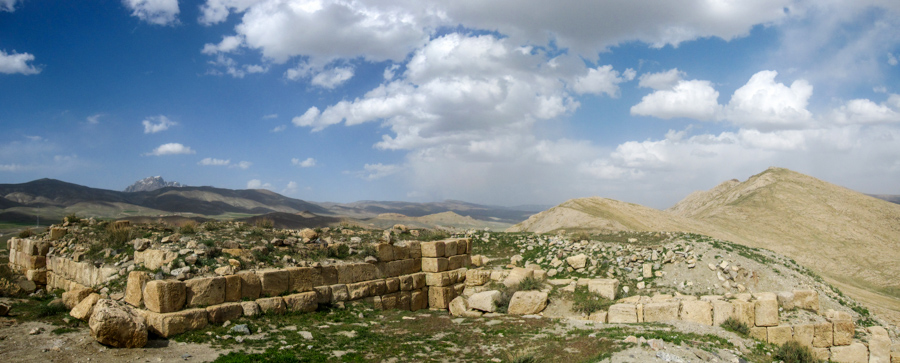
x: 502, y: 102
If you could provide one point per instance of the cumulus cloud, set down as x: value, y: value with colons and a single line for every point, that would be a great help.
x: 891, y: 59
x: 333, y: 77
x: 378, y: 171
x: 11, y: 63
x: 864, y: 111
x: 95, y: 118
x: 307, y: 163
x: 156, y: 124
x: 601, y: 80
x: 766, y: 105
x: 258, y: 184
x: 243, y: 165
x: 691, y: 99
x: 171, y: 149
x: 8, y: 5
x: 159, y: 12
x: 228, y: 44
x: 662, y: 80
x: 214, y: 162
x: 291, y: 188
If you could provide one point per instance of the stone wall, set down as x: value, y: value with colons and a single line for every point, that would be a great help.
x: 29, y: 257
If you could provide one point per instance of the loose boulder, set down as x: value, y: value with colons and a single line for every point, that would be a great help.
x: 85, y: 308
x: 485, y: 301
x: 118, y: 325
x: 527, y: 302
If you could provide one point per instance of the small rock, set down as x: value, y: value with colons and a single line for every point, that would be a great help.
x: 306, y: 335
x: 4, y: 309
x: 240, y: 329
x: 36, y: 331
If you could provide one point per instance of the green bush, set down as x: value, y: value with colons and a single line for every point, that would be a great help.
x: 794, y: 352
x: 117, y: 235
x: 734, y: 325
x: 26, y: 233
x: 339, y: 251
x: 188, y: 228
x: 584, y: 301
x: 73, y: 219
x: 265, y: 223
x: 529, y: 283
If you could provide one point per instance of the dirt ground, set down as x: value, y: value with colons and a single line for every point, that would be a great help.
x: 17, y: 345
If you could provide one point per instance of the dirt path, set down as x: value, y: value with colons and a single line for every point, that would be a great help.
x: 17, y: 345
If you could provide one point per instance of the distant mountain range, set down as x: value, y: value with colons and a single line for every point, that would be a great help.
x: 54, y: 199
x: 150, y: 184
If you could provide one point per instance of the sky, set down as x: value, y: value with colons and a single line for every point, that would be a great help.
x: 496, y: 102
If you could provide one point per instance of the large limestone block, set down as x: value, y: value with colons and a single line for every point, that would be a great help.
x: 435, y: 264
x: 462, y: 246
x: 85, y: 308
x: 384, y: 252
x: 357, y: 272
x: 804, y: 334
x: 339, y: 292
x: 389, y: 269
x: 174, y: 323
x: 377, y: 287
x: 439, y: 278
x: 406, y: 282
x: 418, y: 280
x: 329, y: 275
x: 415, y: 249
x: 251, y: 287
x: 38, y: 276
x: 766, y: 312
x: 164, y: 296
x: 221, y: 313
x: 272, y: 305
x: 232, y: 288
x: 661, y: 311
x: 303, y: 302
x: 450, y: 248
x: 527, y: 303
x: 390, y: 301
x: 699, y: 312
x: 303, y: 279
x: 274, y: 282
x: 458, y: 306
x: 853, y: 353
x: 134, y: 288
x: 786, y: 300
x: 807, y: 300
x: 432, y: 249
x: 843, y: 332
x: 391, y: 285
x: 879, y: 345
x: 517, y: 275
x: 779, y: 335
x: 485, y: 301
x: 153, y: 258
x: 410, y: 266
x: 822, y: 354
x: 74, y: 296
x: 606, y: 288
x: 359, y: 290
x: 205, y: 291
x: 418, y: 299
x: 577, y: 261
x: 722, y: 310
x: 117, y: 324
x: 57, y: 233
x: 622, y: 313
x: 440, y: 297
x: 745, y: 312
x: 250, y: 308
x: 598, y: 316
x: 404, y: 302
x: 323, y: 294
x: 823, y: 335
x: 759, y: 333
x: 400, y: 251
x: 459, y: 261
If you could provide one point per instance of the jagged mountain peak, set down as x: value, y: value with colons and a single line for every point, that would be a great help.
x: 150, y: 184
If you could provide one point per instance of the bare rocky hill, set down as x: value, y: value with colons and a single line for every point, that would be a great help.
x: 847, y: 237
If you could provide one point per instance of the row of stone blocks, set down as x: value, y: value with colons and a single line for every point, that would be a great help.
x: 413, y: 249
x: 29, y: 257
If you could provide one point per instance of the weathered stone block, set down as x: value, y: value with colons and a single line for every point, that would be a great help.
x: 433, y: 249
x: 485, y: 301
x: 450, y: 248
x: 779, y: 335
x: 410, y: 266
x: 517, y: 275
x: 134, y: 288
x: 843, y: 332
x: 879, y: 345
x: 205, y: 291
x: 271, y: 305
x: 477, y: 277
x: 250, y: 308
x: 83, y: 310
x: 807, y: 300
x: 759, y: 333
x: 391, y: 285
x: 438, y: 278
x: 458, y: 306
x: 722, y: 310
x: 303, y: 279
x: 415, y: 249
x: 405, y: 301
x: 459, y: 261
x: 339, y: 292
x: 622, y: 313
x: 251, y: 287
x: 699, y: 312
x: 418, y: 299
x: 440, y: 297
x: 435, y: 264
x: 328, y: 274
x: 154, y: 259
x: 384, y: 252
x: 745, y: 312
x: 323, y: 294
x: 606, y: 288
x: 823, y: 335
x: 359, y: 290
x: 822, y: 354
x: 221, y: 313
x: 164, y: 296
x: 661, y: 311
x: 853, y: 353
x: 303, y: 302
x: 232, y: 288
x: 418, y: 280
x: 598, y: 316
x: 766, y: 312
x: 786, y: 299
x: 273, y: 282
x: 174, y: 323
x: 377, y: 287
x: 527, y: 302
x: 117, y: 324
x: 401, y: 252
x: 406, y: 282
x: 74, y: 296
x: 804, y: 334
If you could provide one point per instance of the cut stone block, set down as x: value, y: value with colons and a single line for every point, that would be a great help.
x: 759, y: 333
x: 744, y: 312
x: 271, y: 305
x: 406, y: 282
x: 377, y: 287
x: 418, y: 300
x: 221, y: 313
x: 786, y: 300
x: 823, y: 335
x: 843, y: 332
x: 766, y: 312
x: 205, y: 291
x: 435, y: 264
x: 807, y: 300
x: 853, y: 353
x: 661, y: 311
x: 606, y: 288
x: 450, y: 248
x: 432, y: 249
x: 83, y: 310
x: 438, y: 278
x: 250, y: 308
x: 485, y: 301
x: 598, y: 316
x: 384, y: 252
x: 306, y: 302
x: 804, y: 334
x: 527, y: 303
x: 418, y: 280
x: 477, y: 277
x: 303, y: 279
x: 134, y: 288
x: 405, y: 301
x: 323, y: 294
x: 440, y: 297
x: 232, y: 288
x: 415, y: 249
x: 174, y: 323
x: 274, y: 282
x: 879, y: 345
x: 339, y: 293
x: 517, y: 275
x: 392, y: 285
x: 359, y: 290
x: 459, y: 261
x: 328, y: 274
x: 73, y: 297
x: 458, y: 306
x: 622, y: 313
x: 164, y: 296
x: 779, y: 335
x: 251, y: 287
x: 699, y: 312
x: 389, y: 301
x: 722, y: 310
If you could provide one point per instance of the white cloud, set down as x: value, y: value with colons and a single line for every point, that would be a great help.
x: 333, y: 77
x: 258, y: 184
x: 11, y: 63
x: 159, y: 12
x: 95, y: 118
x: 766, y: 105
x: 216, y: 11
x: 602, y: 80
x: 154, y: 124
x: 214, y: 162
x: 892, y: 60
x: 291, y: 188
x: 11, y: 168
x: 864, y: 111
x: 227, y: 45
x: 390, y: 71
x: 8, y: 5
x: 243, y: 165
x: 691, y: 99
x: 378, y: 171
x: 309, y: 162
x: 171, y: 149
x: 270, y: 116
x: 279, y: 128
x: 662, y: 80
x: 232, y: 68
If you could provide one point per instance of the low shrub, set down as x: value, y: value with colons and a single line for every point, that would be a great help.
x: 734, y: 325
x: 794, y: 352
x: 26, y: 233
x: 584, y: 301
